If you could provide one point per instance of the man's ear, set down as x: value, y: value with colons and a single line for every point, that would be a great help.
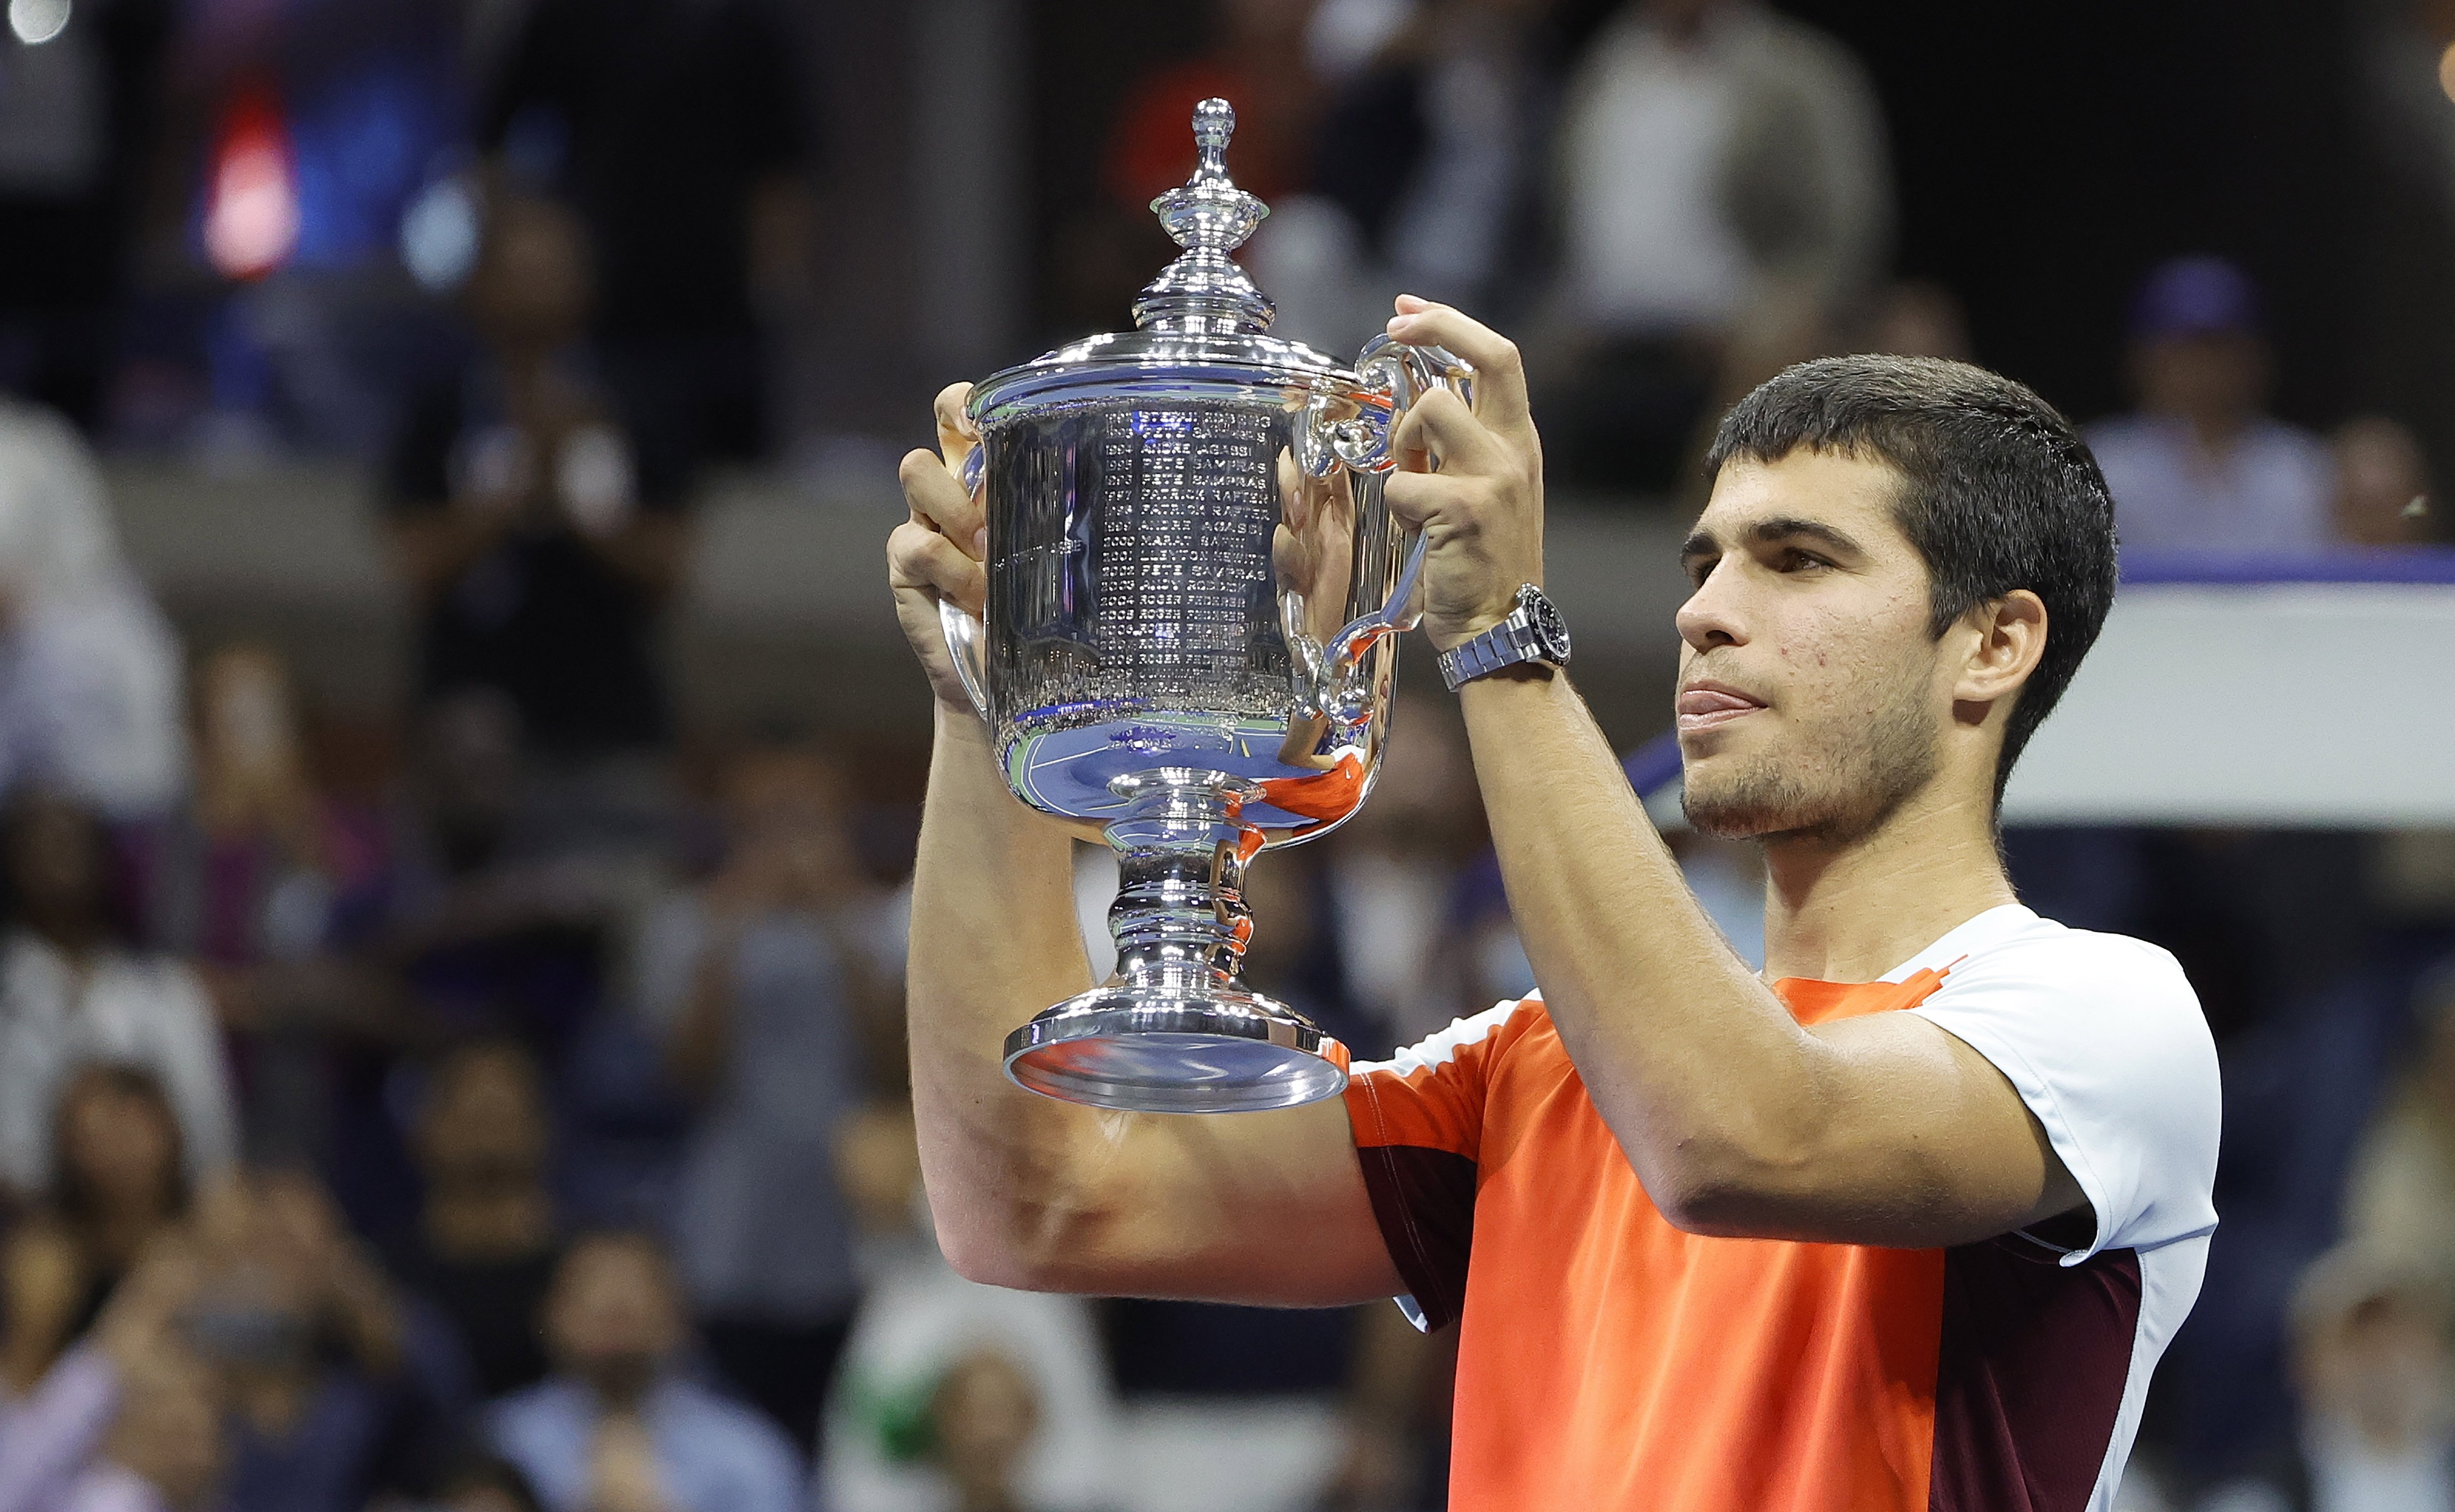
x: 2010, y: 639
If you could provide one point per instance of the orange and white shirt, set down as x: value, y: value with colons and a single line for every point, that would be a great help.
x: 1609, y: 1360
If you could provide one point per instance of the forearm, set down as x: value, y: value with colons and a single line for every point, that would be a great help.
x: 994, y: 941
x: 1691, y: 1059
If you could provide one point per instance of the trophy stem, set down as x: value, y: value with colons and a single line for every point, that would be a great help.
x: 1180, y: 917
x: 1173, y: 1030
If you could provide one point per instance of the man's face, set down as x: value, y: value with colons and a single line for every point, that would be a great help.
x: 486, y: 1120
x: 612, y: 1318
x: 1811, y: 700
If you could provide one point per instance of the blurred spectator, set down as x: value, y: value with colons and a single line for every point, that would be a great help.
x: 616, y: 1428
x: 2383, y: 490
x: 2400, y: 1194
x: 72, y: 992
x: 333, y: 1397
x: 1256, y: 64
x: 1255, y: 61
x: 76, y: 130
x: 2376, y: 1380
x: 166, y: 1448
x: 1395, y: 872
x: 484, y: 1248
x: 89, y: 672
x: 248, y: 874
x: 1421, y: 175
x: 243, y: 883
x: 765, y: 989
x: 495, y: 927
x: 130, y: 1422
x: 1724, y: 205
x: 982, y: 1419
x: 1446, y: 92
x: 539, y: 536
x: 2201, y: 466
x: 680, y: 130
x: 117, y: 1187
x: 490, y: 923
x: 918, y: 1322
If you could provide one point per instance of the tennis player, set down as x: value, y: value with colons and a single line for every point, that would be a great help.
x: 1903, y: 1222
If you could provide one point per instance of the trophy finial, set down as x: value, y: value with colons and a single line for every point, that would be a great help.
x: 1214, y: 122
x: 1209, y: 217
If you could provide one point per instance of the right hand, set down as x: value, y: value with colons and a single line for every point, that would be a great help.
x: 936, y: 555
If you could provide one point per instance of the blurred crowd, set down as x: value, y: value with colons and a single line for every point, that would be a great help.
x: 516, y: 1119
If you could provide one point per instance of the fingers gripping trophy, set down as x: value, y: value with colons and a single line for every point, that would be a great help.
x: 1194, y: 595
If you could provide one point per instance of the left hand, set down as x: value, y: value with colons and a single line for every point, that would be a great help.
x: 1482, y: 512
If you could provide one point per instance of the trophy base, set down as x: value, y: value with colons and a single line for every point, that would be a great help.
x: 1214, y: 1049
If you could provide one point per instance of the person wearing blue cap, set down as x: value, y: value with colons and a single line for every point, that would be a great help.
x: 2200, y: 464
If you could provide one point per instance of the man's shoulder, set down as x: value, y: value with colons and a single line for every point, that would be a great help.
x: 2014, y: 946
x: 551, y: 1408
x: 2028, y: 985
x: 719, y: 1421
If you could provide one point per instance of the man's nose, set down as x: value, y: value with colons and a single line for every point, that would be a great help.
x: 1711, y: 617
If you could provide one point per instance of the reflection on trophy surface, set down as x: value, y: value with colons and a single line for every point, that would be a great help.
x: 1195, y: 590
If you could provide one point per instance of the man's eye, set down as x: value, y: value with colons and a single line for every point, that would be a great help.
x: 1698, y: 569
x: 1794, y: 560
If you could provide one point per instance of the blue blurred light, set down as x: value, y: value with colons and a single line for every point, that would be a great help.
x: 438, y: 236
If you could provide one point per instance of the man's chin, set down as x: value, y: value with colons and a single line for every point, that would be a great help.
x: 1745, y: 804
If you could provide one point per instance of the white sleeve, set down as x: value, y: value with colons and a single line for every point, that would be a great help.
x: 2104, y: 1040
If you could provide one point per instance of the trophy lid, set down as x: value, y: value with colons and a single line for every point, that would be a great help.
x: 1200, y: 324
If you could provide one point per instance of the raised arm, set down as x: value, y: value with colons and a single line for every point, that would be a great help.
x: 1027, y: 1192
x: 1879, y: 1130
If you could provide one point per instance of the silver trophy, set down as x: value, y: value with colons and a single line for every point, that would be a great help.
x: 1194, y: 595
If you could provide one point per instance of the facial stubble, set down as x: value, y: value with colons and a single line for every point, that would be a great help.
x: 1838, y: 786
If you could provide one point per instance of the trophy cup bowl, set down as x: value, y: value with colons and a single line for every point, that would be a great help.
x: 1195, y: 590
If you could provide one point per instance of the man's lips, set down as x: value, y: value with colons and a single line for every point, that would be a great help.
x: 1708, y: 705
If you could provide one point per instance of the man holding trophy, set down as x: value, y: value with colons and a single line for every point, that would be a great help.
x: 1904, y: 1221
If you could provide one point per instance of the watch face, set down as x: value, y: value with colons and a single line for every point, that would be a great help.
x: 1550, y: 629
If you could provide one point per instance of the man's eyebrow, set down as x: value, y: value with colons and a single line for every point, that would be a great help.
x: 1699, y: 543
x: 1783, y: 526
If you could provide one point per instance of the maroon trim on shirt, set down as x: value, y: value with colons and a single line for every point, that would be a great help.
x: 2033, y: 1359
x: 1424, y: 1201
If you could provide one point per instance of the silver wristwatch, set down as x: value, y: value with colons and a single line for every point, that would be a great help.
x: 1533, y: 632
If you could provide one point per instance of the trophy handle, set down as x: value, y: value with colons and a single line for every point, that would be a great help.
x: 966, y: 637
x: 1404, y: 373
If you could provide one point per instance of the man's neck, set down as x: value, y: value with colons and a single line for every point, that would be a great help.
x: 477, y: 1223
x: 1851, y: 911
x: 2215, y: 431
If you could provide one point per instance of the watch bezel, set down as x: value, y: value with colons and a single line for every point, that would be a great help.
x: 1544, y: 621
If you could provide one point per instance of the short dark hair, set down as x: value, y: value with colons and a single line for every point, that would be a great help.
x: 1997, y: 492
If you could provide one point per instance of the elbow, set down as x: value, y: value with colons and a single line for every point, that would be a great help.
x: 993, y: 1249
x: 980, y: 1251
x: 1723, y: 1190
x: 983, y: 1261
